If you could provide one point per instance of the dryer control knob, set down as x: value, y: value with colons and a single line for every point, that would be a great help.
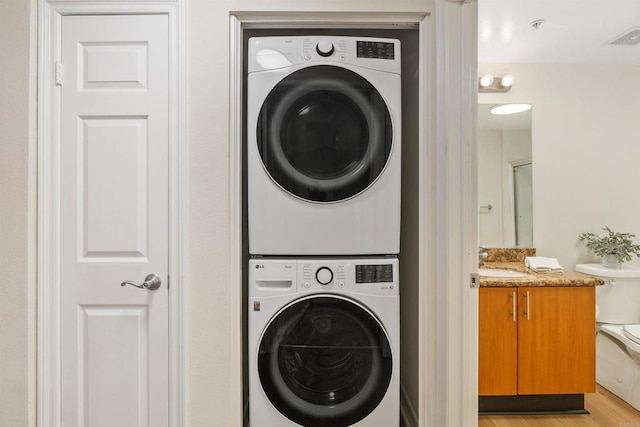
x: 324, y: 275
x: 324, y: 48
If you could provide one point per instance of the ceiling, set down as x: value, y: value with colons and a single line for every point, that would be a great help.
x: 574, y: 31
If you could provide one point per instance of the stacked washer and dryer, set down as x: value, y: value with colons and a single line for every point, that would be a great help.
x: 323, y: 159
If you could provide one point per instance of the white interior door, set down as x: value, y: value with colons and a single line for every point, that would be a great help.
x: 114, y: 220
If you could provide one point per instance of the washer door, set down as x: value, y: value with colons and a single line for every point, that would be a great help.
x: 324, y: 133
x: 325, y: 360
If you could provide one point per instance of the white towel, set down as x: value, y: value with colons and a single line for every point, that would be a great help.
x: 543, y: 265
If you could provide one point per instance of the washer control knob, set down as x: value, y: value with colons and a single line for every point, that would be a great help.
x: 324, y: 275
x: 324, y: 48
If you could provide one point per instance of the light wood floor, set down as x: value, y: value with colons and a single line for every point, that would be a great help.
x: 606, y: 409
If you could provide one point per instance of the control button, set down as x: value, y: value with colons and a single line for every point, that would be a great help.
x: 324, y: 275
x: 343, y: 57
x: 341, y: 284
x: 324, y: 48
x: 307, y: 285
x: 307, y: 57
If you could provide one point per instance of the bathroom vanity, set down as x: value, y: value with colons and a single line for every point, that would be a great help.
x: 536, y: 340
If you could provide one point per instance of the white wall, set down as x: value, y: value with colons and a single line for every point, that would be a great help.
x: 209, y: 402
x: 17, y: 213
x: 210, y: 353
x: 586, y: 150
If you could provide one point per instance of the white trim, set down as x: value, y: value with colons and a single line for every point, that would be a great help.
x: 48, y: 258
x: 427, y: 339
x: 469, y: 213
x: 49, y: 29
x: 177, y: 215
x: 433, y: 358
x: 235, y: 214
x: 449, y: 240
x: 248, y: 19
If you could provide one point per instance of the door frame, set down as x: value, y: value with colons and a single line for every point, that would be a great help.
x: 48, y: 326
x: 448, y: 351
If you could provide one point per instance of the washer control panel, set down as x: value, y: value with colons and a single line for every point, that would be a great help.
x: 324, y: 275
x: 371, y: 276
x: 374, y: 273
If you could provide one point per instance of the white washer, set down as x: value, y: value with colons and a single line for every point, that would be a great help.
x: 324, y: 342
x: 323, y: 145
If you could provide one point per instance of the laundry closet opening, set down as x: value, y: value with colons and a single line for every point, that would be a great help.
x: 409, y: 219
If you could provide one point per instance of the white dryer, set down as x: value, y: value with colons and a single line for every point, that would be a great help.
x: 323, y: 145
x: 324, y: 342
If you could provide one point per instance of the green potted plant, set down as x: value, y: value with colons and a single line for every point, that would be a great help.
x: 614, y: 248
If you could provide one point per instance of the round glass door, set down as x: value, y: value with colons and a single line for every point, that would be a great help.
x: 325, y: 360
x: 324, y: 133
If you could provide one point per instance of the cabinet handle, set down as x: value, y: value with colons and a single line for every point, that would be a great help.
x: 527, y: 311
x: 513, y: 305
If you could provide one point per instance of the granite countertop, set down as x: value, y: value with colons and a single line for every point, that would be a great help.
x: 568, y: 278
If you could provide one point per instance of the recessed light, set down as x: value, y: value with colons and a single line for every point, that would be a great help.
x: 501, y: 110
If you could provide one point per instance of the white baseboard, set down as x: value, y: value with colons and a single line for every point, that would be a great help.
x: 408, y: 416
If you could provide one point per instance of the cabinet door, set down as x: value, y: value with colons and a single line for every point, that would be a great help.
x: 497, y: 341
x: 556, y: 340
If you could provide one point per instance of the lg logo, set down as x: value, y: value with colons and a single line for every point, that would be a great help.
x: 259, y: 266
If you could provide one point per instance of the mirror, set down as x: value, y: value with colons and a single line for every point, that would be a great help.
x: 504, y: 179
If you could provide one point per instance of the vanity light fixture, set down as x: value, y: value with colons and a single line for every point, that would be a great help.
x: 488, y: 83
x: 501, y: 110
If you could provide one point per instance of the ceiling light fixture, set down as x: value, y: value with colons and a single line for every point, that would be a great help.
x: 502, y: 110
x: 488, y: 83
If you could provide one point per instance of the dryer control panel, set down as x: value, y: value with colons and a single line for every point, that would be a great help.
x: 269, y: 53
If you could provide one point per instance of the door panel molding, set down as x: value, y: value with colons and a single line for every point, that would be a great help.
x: 49, y: 54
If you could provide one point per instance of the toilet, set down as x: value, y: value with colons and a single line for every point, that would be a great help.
x: 618, y: 330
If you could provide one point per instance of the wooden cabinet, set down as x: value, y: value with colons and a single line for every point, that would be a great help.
x: 536, y: 340
x: 498, y: 342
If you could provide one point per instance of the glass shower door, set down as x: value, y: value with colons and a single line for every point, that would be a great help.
x: 523, y: 204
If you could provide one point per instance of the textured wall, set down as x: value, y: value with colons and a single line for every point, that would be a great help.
x: 17, y: 213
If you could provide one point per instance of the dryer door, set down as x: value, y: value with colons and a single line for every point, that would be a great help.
x: 324, y: 133
x: 325, y: 360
